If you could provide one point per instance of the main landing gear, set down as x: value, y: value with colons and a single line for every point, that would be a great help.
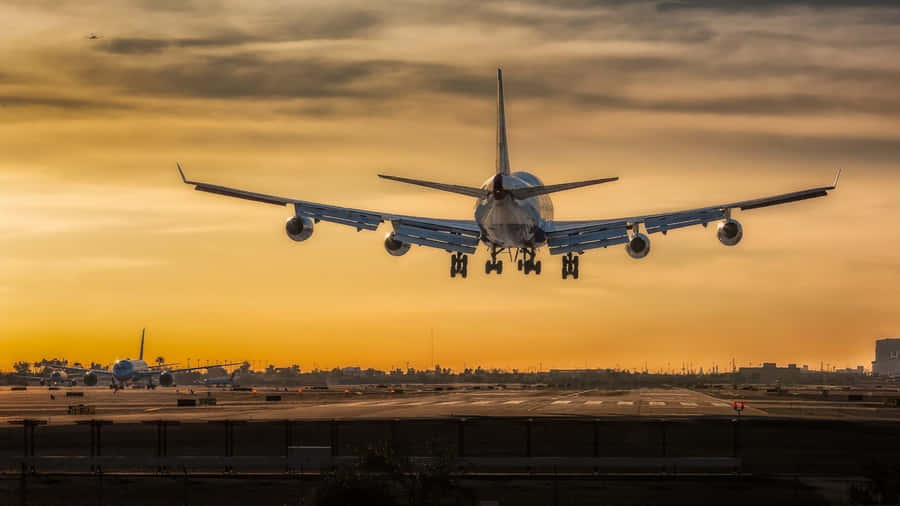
x: 570, y: 266
x: 527, y: 263
x: 493, y: 264
x: 459, y: 264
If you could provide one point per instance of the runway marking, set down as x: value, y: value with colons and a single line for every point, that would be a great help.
x: 386, y: 403
x: 416, y: 403
x: 721, y: 404
x: 514, y: 402
x: 481, y: 403
x: 689, y: 404
x: 151, y: 410
x: 447, y: 403
x: 625, y: 403
x: 657, y: 403
x: 560, y: 402
x: 593, y: 403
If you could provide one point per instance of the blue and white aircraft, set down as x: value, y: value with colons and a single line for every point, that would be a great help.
x: 130, y: 371
x: 513, y: 212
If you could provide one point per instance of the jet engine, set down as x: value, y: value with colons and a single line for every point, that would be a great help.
x: 395, y: 247
x: 730, y: 232
x: 166, y: 379
x: 90, y: 379
x: 299, y: 228
x: 638, y: 246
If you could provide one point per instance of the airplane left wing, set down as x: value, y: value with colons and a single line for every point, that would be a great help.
x: 578, y: 236
x: 450, y: 235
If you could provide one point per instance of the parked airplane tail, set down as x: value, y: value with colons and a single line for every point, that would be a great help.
x: 141, y: 355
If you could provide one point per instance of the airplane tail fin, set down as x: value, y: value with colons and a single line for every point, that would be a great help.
x: 141, y: 355
x: 502, y: 148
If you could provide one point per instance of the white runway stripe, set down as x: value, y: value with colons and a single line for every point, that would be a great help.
x: 625, y: 403
x: 657, y: 403
x: 593, y: 403
x: 560, y: 402
x: 416, y: 403
x: 514, y: 402
x: 721, y: 404
x: 481, y: 403
x: 689, y: 404
x: 447, y: 403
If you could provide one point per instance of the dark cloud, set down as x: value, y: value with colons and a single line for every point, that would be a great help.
x: 58, y: 103
x: 769, y: 105
x: 325, y: 26
x: 760, y: 5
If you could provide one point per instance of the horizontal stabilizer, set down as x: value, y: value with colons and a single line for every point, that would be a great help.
x: 534, y: 191
x: 462, y: 190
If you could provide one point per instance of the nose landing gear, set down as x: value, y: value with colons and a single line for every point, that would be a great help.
x: 459, y: 264
x: 570, y: 266
x: 493, y: 264
x: 527, y: 264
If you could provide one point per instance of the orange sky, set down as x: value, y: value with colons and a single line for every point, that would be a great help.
x: 689, y: 103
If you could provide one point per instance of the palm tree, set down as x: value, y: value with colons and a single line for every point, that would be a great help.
x: 160, y: 361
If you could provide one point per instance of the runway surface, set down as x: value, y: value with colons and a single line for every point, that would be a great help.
x: 137, y: 405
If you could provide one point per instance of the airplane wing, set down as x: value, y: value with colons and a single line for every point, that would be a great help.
x: 450, y: 235
x: 578, y: 236
x: 81, y: 370
x: 153, y: 372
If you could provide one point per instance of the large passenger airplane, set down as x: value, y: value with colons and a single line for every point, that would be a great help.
x: 513, y: 212
x: 131, y: 370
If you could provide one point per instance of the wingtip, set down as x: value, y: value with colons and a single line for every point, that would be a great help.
x: 837, y: 177
x: 181, y: 172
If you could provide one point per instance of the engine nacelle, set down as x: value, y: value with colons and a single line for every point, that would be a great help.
x: 90, y: 379
x: 299, y: 228
x: 166, y: 379
x: 730, y: 232
x: 395, y: 247
x: 638, y: 246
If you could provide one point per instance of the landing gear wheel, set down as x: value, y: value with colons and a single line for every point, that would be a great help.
x: 570, y: 266
x: 499, y: 266
x: 459, y: 264
x: 488, y: 267
x: 537, y: 267
x: 520, y: 265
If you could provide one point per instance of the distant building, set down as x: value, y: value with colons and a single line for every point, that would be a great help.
x: 352, y: 371
x: 887, y: 357
x: 771, y: 373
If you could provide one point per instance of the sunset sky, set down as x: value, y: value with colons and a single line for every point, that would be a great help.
x: 690, y: 103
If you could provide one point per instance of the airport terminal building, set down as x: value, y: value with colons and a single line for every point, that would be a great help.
x: 887, y: 357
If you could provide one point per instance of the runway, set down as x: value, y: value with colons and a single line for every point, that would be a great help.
x: 139, y: 405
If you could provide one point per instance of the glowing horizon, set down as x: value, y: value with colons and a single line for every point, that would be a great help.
x: 690, y: 103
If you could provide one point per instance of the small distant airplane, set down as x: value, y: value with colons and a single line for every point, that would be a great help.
x: 93, y: 36
x: 128, y: 371
x: 57, y: 377
x: 512, y: 212
x: 227, y: 381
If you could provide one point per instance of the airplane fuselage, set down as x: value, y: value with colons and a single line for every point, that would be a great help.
x: 506, y: 222
x: 126, y: 370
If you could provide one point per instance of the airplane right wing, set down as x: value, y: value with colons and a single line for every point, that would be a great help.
x: 82, y: 370
x: 578, y: 236
x: 450, y: 235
